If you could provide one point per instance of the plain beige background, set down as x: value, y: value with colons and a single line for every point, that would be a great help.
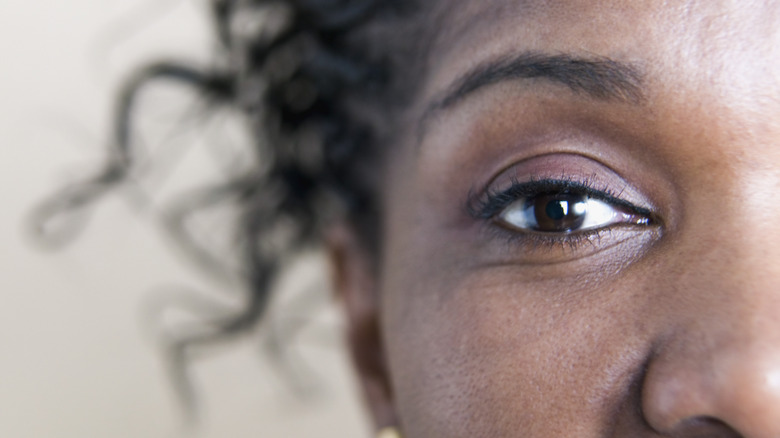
x: 77, y: 358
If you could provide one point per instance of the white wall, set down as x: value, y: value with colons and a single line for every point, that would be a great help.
x: 76, y: 358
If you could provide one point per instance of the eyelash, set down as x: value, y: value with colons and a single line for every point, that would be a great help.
x: 488, y: 206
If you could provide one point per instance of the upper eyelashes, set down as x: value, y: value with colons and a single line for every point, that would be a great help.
x: 559, y: 207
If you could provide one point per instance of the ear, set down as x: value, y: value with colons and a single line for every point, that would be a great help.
x: 356, y: 287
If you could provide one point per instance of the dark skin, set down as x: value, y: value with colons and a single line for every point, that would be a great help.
x: 660, y: 318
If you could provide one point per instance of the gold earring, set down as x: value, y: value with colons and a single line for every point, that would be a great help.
x: 389, y: 432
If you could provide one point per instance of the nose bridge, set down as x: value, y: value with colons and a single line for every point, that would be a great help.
x: 742, y: 260
x: 730, y: 234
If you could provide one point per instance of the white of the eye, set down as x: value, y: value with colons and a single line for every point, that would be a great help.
x: 518, y: 216
x: 597, y: 214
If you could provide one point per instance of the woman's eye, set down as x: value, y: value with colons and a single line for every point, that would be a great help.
x: 566, y: 213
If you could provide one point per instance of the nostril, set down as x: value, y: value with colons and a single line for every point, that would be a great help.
x: 703, y: 427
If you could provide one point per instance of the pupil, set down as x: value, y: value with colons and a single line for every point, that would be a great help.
x: 559, y: 212
x: 556, y: 210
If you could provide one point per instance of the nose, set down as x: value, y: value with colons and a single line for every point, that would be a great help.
x: 716, y: 372
x: 736, y: 396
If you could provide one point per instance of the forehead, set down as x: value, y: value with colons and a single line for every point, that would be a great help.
x: 733, y: 43
x: 463, y: 19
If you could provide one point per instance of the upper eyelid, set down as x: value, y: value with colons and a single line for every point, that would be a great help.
x: 490, y: 204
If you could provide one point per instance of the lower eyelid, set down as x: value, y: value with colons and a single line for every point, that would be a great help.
x: 534, y: 248
x: 612, y: 225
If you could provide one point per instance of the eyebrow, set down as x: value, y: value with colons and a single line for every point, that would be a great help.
x: 599, y: 78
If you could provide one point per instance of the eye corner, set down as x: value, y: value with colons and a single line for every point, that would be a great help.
x: 485, y: 205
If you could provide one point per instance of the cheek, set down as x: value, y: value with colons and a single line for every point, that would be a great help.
x: 488, y: 354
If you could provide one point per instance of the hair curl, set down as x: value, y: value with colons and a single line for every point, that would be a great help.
x: 305, y: 74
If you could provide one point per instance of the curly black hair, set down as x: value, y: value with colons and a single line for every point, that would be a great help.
x: 319, y: 82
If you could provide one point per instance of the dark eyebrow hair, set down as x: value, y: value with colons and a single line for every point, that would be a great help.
x: 600, y: 78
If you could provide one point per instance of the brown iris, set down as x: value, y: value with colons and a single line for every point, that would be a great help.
x: 559, y: 212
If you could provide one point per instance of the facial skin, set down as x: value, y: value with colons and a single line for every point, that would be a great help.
x: 667, y: 327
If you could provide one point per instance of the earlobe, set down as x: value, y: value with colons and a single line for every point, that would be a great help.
x: 356, y: 288
x: 389, y: 432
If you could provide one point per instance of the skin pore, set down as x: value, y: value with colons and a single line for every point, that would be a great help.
x: 662, y: 321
